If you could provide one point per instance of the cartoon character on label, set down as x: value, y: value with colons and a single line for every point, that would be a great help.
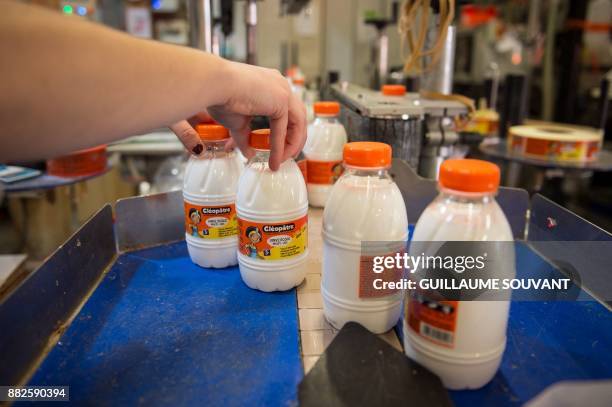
x: 254, y: 236
x: 337, y: 171
x: 195, y: 217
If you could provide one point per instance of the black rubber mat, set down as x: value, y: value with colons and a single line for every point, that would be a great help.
x: 360, y: 369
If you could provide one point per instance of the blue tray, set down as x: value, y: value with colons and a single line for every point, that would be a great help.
x: 160, y: 330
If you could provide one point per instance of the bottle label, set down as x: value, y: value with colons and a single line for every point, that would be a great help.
x: 324, y: 172
x: 431, y: 319
x: 303, y: 166
x: 376, y: 285
x: 210, y: 222
x: 273, y: 241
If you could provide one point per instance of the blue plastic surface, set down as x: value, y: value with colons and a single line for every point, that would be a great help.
x: 547, y: 342
x: 159, y: 330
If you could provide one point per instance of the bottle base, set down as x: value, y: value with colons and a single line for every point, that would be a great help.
x: 466, y: 373
x: 214, y: 255
x: 377, y: 316
x: 274, y: 276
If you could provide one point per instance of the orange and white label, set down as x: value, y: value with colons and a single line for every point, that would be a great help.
x: 376, y: 285
x: 211, y: 222
x: 273, y: 241
x: 323, y: 172
x: 433, y: 320
x: 303, y: 166
x: 558, y: 150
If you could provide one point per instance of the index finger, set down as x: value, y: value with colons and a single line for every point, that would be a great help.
x: 188, y: 136
x: 296, y: 128
x: 278, y: 133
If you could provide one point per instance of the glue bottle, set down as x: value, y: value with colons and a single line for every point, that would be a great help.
x: 298, y: 87
x: 209, y: 193
x: 323, y: 151
x: 364, y: 205
x: 461, y: 341
x: 272, y: 209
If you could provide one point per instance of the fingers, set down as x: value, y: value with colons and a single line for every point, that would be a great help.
x: 253, y: 91
x: 241, y: 138
x: 229, y: 146
x: 239, y: 126
x: 188, y: 136
x: 200, y: 117
x: 278, y: 134
x: 296, y: 128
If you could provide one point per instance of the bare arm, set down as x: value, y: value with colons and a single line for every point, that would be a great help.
x: 68, y: 84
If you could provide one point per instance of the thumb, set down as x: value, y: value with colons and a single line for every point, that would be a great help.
x: 230, y: 145
x: 188, y: 136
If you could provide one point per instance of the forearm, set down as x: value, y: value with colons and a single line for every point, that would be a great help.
x: 66, y: 83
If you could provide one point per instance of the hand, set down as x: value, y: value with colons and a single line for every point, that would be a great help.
x: 187, y: 134
x: 252, y: 91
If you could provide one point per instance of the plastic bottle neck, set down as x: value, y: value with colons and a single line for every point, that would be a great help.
x: 454, y: 196
x: 366, y: 172
x: 260, y: 159
x: 327, y: 119
x: 214, y: 149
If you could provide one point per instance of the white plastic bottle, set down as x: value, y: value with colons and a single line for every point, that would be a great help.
x: 323, y: 151
x: 272, y: 209
x: 209, y: 193
x: 298, y: 87
x: 310, y: 97
x: 364, y: 205
x: 465, y: 346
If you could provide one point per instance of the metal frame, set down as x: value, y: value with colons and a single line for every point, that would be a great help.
x: 149, y: 221
x: 36, y: 312
x: 573, y: 245
x: 372, y: 103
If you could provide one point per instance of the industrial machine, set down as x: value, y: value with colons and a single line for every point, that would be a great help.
x: 421, y: 131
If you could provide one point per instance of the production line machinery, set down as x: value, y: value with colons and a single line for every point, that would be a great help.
x: 421, y: 131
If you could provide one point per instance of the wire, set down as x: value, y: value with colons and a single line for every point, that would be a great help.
x: 415, y: 37
x: 460, y: 122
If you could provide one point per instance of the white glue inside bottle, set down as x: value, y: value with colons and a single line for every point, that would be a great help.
x: 272, y: 208
x: 323, y: 152
x: 364, y: 205
x: 209, y: 193
x: 461, y: 341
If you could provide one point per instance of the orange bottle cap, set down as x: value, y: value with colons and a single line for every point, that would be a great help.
x: 368, y: 154
x: 327, y: 108
x: 212, y: 132
x: 469, y: 175
x: 393, y: 90
x: 260, y: 139
x: 298, y: 81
